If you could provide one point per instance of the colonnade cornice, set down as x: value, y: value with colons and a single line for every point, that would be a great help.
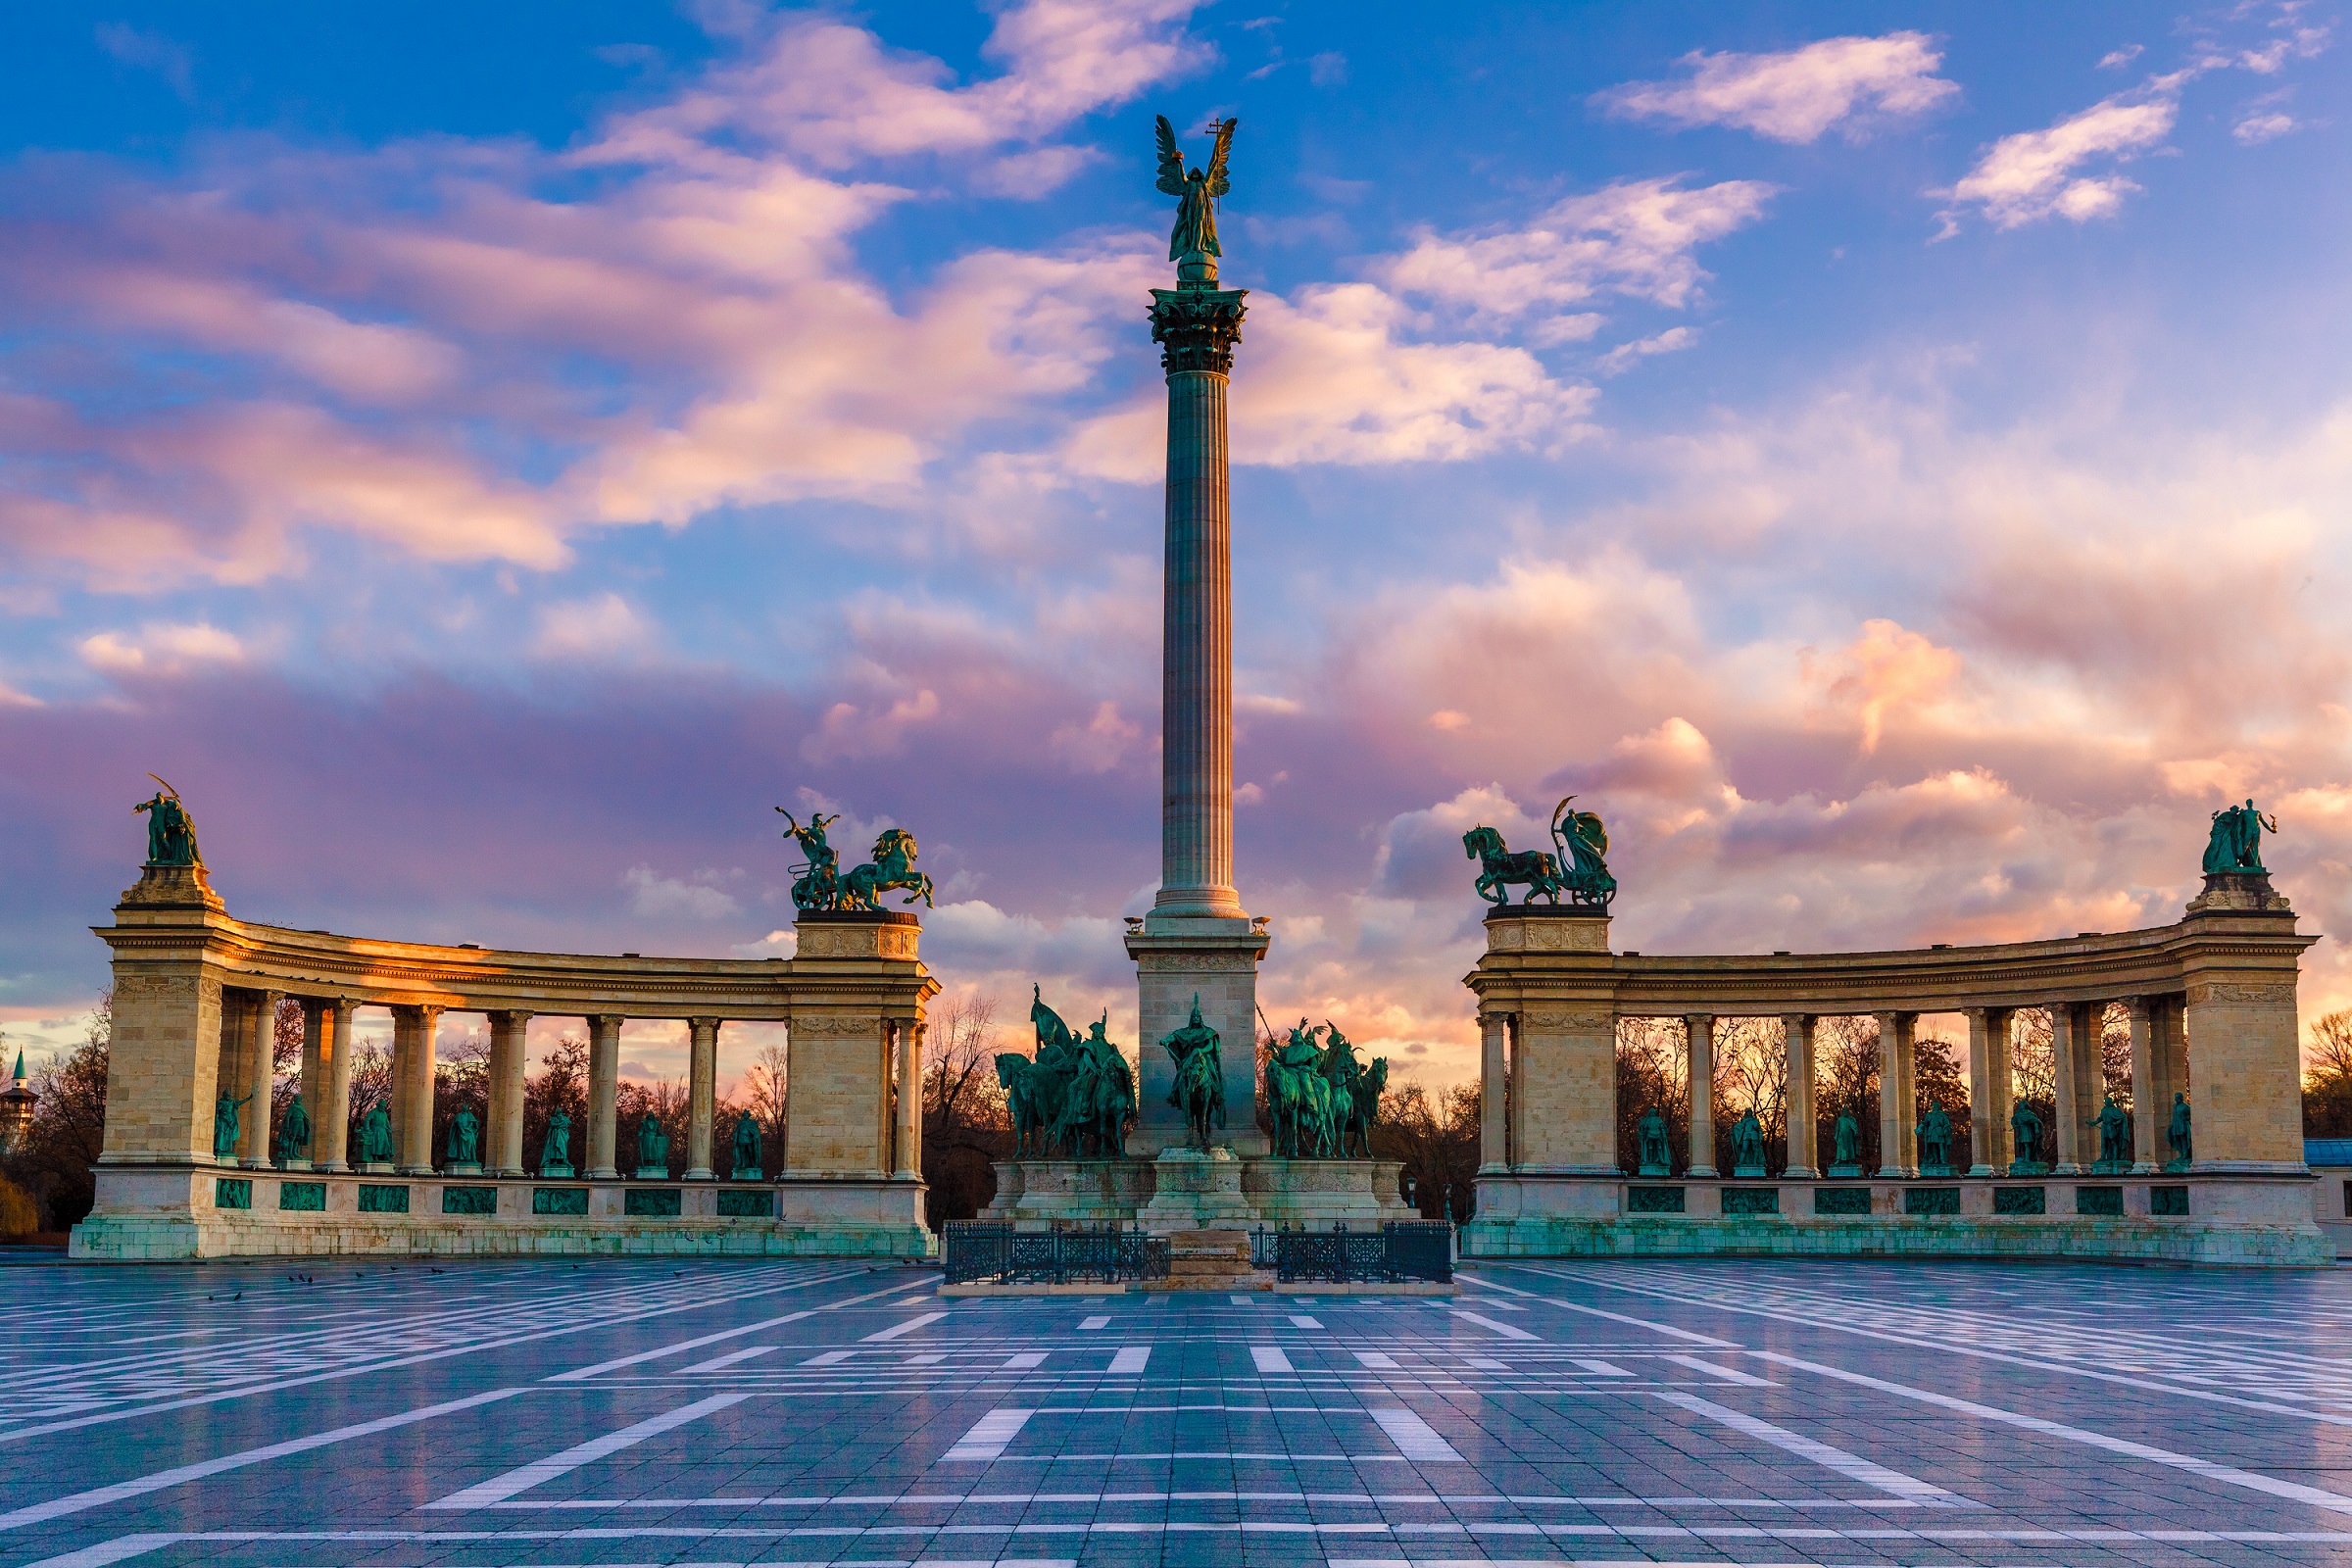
x: 374, y: 972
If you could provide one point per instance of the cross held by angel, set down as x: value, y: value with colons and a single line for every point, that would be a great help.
x: 1196, y: 190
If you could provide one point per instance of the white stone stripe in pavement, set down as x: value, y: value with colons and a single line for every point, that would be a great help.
x: 1378, y: 1360
x: 1027, y: 1358
x: 100, y: 1497
x: 933, y: 1499
x: 539, y: 1471
x: 897, y: 1329
x: 1599, y: 1368
x: 1095, y: 1322
x: 1853, y: 1466
x: 1415, y: 1438
x: 1667, y: 1329
x: 1724, y: 1373
x: 1269, y: 1358
x: 1131, y: 1358
x: 2317, y: 1497
x: 581, y: 1374
x: 990, y: 1434
x: 1303, y: 1321
x: 1501, y: 1328
x: 731, y: 1359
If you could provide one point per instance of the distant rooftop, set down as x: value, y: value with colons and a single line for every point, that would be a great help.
x: 2328, y: 1151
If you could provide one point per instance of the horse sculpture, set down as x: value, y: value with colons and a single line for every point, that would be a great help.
x: 1017, y: 1075
x: 1093, y: 1123
x: 1300, y: 1096
x: 1362, y: 1109
x: 1578, y: 870
x: 893, y: 866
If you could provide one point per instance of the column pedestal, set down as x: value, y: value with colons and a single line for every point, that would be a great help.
x: 1177, y: 958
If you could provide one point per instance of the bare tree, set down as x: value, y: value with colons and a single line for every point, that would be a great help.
x: 763, y: 1096
x: 1652, y: 1070
x: 1435, y: 1137
x: 2327, y: 1077
x: 967, y: 1126
x: 559, y: 1084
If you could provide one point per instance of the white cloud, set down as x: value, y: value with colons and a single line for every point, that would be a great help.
x: 2032, y: 176
x: 2261, y: 126
x: 2118, y: 59
x: 1633, y: 238
x: 673, y: 898
x: 599, y: 631
x: 1798, y: 95
x: 1624, y: 356
x: 162, y: 649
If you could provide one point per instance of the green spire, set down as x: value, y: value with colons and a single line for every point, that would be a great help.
x: 20, y: 1064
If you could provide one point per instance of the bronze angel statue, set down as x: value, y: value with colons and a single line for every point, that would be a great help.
x: 1196, y: 190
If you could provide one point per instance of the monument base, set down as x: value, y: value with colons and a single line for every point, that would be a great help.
x: 461, y: 1167
x: 1210, y: 1261
x: 1160, y: 1193
x: 2231, y: 1219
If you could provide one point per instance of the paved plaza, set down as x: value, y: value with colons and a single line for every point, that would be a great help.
x: 812, y: 1412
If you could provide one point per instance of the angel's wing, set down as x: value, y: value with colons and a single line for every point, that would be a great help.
x: 1218, y: 184
x: 1172, y: 162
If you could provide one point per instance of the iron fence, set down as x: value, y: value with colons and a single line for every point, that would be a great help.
x: 1400, y: 1250
x: 977, y: 1251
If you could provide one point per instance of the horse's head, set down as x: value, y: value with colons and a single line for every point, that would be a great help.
x: 1376, y: 1076
x: 1481, y: 841
x: 1010, y: 1065
x: 895, y: 843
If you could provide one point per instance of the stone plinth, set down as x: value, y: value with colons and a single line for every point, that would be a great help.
x: 1178, y: 957
x: 1192, y: 1191
x: 1361, y: 1194
x: 1210, y: 1261
x: 1089, y: 1191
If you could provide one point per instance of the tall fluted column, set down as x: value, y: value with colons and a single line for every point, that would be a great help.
x: 413, y: 1088
x: 1796, y: 1029
x: 1988, y: 1091
x: 1898, y: 1100
x: 2075, y: 1052
x: 317, y: 1044
x: 507, y: 1032
x: 2151, y: 1101
x: 1196, y: 944
x: 702, y: 1091
x: 909, y: 1131
x: 1199, y: 324
x: 333, y: 1110
x: 1700, y: 1029
x: 261, y: 1082
x: 1494, y: 1095
x: 604, y: 1095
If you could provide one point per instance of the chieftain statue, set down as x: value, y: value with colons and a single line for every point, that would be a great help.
x: 746, y: 1148
x: 1200, y: 1088
x: 1748, y: 1145
x: 170, y: 833
x: 1656, y: 1159
x: 1195, y: 191
x: 1579, y: 868
x: 2025, y: 1131
x: 652, y: 1147
x: 2236, y: 843
x: 555, y: 1154
x: 294, y: 1135
x: 464, y: 1138
x: 2176, y: 1135
x: 225, y: 1125
x: 2115, y: 1128
x: 1935, y: 1133
x: 376, y: 1135
x: 1298, y: 1096
x: 1074, y: 1098
x: 1845, y: 1146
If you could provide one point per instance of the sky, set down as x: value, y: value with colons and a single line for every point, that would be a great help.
x: 1888, y: 460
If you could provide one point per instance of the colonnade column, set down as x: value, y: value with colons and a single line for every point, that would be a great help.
x: 2151, y: 1097
x: 604, y: 1094
x: 702, y: 1091
x: 413, y: 1088
x: 1700, y: 1027
x: 1492, y: 1090
x: 910, y: 1105
x: 503, y: 1143
x: 1988, y: 1091
x: 257, y: 1081
x: 1803, y: 1156
x: 332, y: 1139
x: 316, y: 1045
x: 2073, y: 1054
x: 1899, y: 1100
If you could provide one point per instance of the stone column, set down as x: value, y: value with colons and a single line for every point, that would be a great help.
x: 332, y: 1115
x: 1988, y: 1091
x: 317, y: 1021
x: 908, y: 1132
x: 1494, y: 1092
x: 261, y: 1082
x: 1700, y: 1029
x: 604, y: 1092
x: 412, y: 1029
x: 503, y: 1139
x: 1803, y: 1132
x: 2075, y: 1055
x: 702, y: 1092
x: 1898, y: 1102
x: 2151, y: 1104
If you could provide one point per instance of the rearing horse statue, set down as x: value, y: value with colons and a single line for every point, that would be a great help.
x: 893, y: 866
